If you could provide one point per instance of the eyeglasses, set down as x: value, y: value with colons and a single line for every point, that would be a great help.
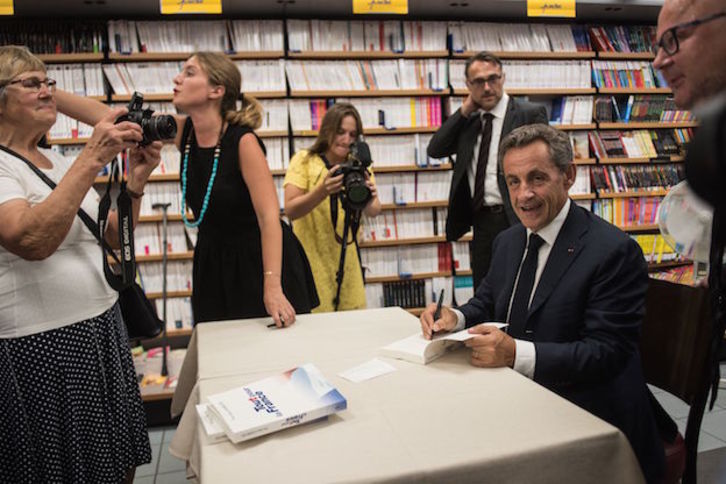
x: 669, y: 40
x: 481, y: 82
x: 33, y: 83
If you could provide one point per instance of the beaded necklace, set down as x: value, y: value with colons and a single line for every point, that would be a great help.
x: 185, y: 164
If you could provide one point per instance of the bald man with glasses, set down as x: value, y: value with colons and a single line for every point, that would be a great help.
x: 691, y: 49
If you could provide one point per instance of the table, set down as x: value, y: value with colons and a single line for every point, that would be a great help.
x: 443, y: 422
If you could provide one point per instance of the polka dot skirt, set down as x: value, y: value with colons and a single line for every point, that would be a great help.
x: 70, y: 409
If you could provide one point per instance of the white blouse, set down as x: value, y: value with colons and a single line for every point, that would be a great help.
x: 65, y: 288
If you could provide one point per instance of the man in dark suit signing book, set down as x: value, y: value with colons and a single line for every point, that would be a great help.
x: 572, y: 288
x: 478, y: 195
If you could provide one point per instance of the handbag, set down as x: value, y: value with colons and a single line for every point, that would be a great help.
x: 138, y: 312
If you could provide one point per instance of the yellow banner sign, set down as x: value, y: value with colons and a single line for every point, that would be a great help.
x: 6, y: 7
x: 380, y: 6
x: 551, y: 8
x: 169, y: 7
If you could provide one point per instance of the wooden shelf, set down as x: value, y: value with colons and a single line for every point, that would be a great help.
x: 642, y: 159
x: 660, y: 192
x: 169, y: 294
x: 381, y: 130
x: 176, y: 56
x: 371, y: 93
x: 189, y: 255
x: 435, y: 239
x: 657, y: 266
x: 80, y: 57
x: 273, y: 134
x: 624, y: 160
x: 574, y: 127
x: 172, y: 217
x: 626, y: 55
x: 583, y: 196
x: 410, y: 168
x: 539, y: 91
x: 391, y: 243
x: 372, y: 55
x: 633, y: 90
x: 425, y: 275
x: 156, y: 396
x: 648, y: 125
x: 639, y: 228
x: 153, y: 178
x: 437, y: 203
x: 173, y: 333
x: 584, y: 161
x: 532, y: 55
x: 67, y: 141
x: 168, y: 96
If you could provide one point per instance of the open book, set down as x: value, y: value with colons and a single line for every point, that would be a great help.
x: 296, y: 396
x: 418, y: 349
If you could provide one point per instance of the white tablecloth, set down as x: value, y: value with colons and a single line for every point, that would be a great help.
x: 443, y: 422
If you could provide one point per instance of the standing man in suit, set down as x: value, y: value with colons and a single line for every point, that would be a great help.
x: 572, y: 288
x: 478, y: 194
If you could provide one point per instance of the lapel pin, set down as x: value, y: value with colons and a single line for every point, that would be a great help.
x: 570, y: 250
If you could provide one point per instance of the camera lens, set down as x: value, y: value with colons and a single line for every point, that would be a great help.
x: 356, y: 190
x: 159, y: 127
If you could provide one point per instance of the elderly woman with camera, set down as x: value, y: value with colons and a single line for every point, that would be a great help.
x: 312, y: 184
x: 71, y: 409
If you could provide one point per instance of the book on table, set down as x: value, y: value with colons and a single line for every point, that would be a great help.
x: 417, y: 349
x: 293, y: 397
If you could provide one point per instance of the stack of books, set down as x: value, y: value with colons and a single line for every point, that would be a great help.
x: 294, y: 397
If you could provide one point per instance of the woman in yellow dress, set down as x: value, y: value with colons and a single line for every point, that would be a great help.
x: 311, y: 179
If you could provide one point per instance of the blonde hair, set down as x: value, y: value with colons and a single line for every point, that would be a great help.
x: 331, y: 123
x: 14, y: 60
x: 221, y: 71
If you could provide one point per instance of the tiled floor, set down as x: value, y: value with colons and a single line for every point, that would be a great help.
x: 165, y: 469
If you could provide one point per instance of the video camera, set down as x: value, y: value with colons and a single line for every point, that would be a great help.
x: 356, y: 193
x: 155, y: 128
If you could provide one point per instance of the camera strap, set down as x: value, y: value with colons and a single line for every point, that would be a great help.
x: 125, y: 229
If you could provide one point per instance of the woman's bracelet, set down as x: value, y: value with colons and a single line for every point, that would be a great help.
x: 134, y: 194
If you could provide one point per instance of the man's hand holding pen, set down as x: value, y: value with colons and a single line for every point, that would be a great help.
x: 429, y: 325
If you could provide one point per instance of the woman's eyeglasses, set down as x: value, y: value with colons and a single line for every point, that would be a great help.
x: 33, y: 83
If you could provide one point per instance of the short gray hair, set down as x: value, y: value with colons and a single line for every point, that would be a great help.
x: 558, y: 143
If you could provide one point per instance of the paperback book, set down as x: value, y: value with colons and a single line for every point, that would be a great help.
x: 418, y: 349
x: 294, y: 397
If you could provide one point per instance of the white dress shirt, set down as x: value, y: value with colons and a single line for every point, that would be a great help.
x: 525, y: 356
x: 492, y: 196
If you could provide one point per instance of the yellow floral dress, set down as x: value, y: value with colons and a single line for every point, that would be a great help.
x: 315, y: 232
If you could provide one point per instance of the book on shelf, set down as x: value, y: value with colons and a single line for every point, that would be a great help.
x: 294, y: 397
x: 417, y: 349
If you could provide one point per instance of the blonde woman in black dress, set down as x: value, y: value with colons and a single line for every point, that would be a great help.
x: 247, y: 262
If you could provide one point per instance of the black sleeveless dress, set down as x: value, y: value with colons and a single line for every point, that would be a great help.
x: 227, y: 276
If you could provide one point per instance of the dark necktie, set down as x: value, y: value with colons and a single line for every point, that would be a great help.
x: 481, y: 162
x: 520, y: 301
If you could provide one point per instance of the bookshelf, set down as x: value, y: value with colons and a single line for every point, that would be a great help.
x: 317, y: 53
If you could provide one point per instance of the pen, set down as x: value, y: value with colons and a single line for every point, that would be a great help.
x: 437, y: 313
x: 272, y: 325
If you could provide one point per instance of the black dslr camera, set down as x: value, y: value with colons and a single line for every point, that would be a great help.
x: 356, y: 193
x: 155, y: 128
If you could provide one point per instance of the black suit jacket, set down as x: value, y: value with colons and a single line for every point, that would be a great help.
x: 458, y: 136
x: 584, y: 320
